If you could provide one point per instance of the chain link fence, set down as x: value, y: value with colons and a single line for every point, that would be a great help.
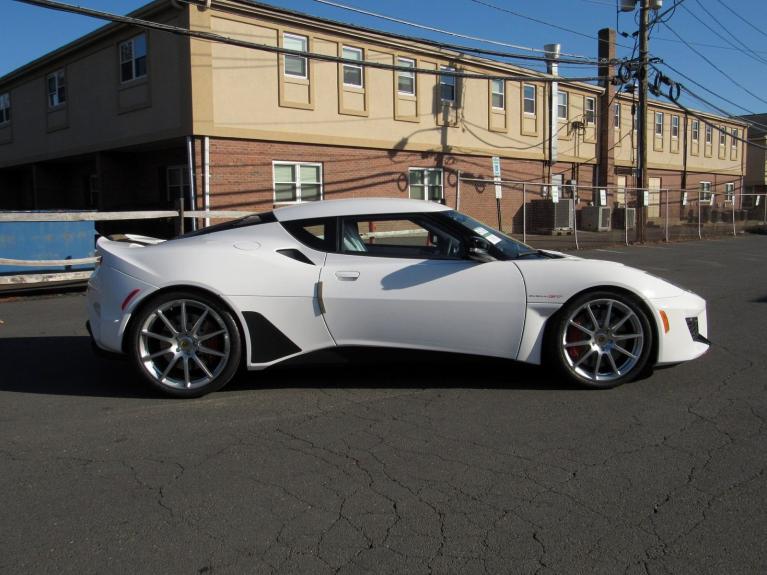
x: 576, y: 217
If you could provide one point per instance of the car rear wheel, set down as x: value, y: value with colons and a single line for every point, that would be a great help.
x: 601, y: 339
x: 186, y: 344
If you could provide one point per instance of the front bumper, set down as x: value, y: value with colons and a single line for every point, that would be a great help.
x: 687, y: 334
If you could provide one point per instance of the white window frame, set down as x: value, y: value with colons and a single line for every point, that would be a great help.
x: 297, y: 171
x: 695, y: 130
x: 451, y: 81
x: 617, y: 112
x: 590, y: 111
x: 410, y: 63
x: 705, y: 194
x: 5, y: 108
x: 183, y: 171
x: 734, y: 138
x: 709, y: 134
x: 57, y: 96
x: 674, y: 127
x: 729, y: 192
x: 566, y: 96
x: 501, y: 94
x: 534, y: 99
x: 426, y: 172
x: 722, y: 137
x: 133, y: 58
x: 361, y: 54
x: 305, y: 42
x: 662, y: 117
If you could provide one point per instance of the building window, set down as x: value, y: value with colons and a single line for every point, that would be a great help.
x: 498, y: 89
x: 674, y: 127
x: 177, y: 184
x: 133, y: 58
x: 591, y: 111
x: 426, y: 184
x: 297, y: 182
x: 705, y: 192
x: 729, y: 192
x: 529, y: 99
x: 352, y: 72
x: 722, y: 136
x: 617, y: 116
x: 295, y: 66
x: 447, y: 85
x: 406, y: 80
x: 734, y: 142
x: 695, y: 130
x: 659, y: 124
x: 709, y: 134
x: 57, y: 88
x: 563, y: 112
x: 5, y: 108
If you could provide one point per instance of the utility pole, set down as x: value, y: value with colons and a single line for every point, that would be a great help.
x: 642, y: 119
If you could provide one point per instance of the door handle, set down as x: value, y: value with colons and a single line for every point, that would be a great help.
x: 347, y: 276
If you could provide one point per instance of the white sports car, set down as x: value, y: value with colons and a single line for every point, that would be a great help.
x: 377, y: 272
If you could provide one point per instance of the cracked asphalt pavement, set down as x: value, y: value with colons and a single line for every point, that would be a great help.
x: 392, y: 463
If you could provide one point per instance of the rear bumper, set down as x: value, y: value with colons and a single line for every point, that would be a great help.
x: 108, y: 315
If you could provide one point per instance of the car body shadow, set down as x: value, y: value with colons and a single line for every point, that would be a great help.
x: 69, y: 366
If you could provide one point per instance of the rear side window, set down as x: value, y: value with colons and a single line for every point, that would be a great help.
x: 318, y: 234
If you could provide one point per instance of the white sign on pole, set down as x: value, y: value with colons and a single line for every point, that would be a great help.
x: 555, y: 194
x: 646, y: 198
x: 603, y: 197
x: 684, y: 198
x: 497, y: 177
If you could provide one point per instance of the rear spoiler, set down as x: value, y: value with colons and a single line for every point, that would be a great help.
x: 135, y: 239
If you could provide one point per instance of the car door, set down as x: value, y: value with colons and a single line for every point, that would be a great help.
x: 402, y: 281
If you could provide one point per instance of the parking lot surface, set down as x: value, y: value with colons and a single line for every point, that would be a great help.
x: 392, y: 463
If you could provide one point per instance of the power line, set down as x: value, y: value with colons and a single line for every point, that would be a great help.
x: 702, y: 87
x: 580, y: 57
x: 762, y: 32
x: 717, y: 68
x: 213, y: 37
x: 542, y: 22
x: 743, y: 48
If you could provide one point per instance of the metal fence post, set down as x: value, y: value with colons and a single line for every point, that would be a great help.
x: 667, y: 193
x: 575, y: 218
x: 458, y: 193
x: 734, y: 231
x: 700, y: 236
x: 524, y: 213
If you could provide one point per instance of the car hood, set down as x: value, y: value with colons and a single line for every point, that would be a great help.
x: 557, y: 280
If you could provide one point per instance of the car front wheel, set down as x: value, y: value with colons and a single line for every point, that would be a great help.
x: 186, y: 344
x: 601, y: 339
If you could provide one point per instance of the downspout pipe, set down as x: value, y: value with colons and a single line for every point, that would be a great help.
x: 206, y: 177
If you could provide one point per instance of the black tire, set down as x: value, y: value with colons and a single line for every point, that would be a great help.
x: 185, y: 343
x: 602, y: 354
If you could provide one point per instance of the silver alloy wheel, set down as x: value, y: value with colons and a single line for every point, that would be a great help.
x: 184, y: 344
x: 603, y: 340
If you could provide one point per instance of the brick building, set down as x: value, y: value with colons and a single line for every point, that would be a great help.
x: 112, y: 120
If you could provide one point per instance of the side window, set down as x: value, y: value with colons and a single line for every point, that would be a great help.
x: 399, y: 236
x: 318, y: 234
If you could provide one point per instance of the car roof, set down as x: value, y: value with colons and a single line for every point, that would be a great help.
x: 353, y: 207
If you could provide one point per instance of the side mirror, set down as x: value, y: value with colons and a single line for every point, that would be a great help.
x: 479, y: 250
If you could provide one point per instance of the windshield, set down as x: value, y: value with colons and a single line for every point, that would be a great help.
x: 509, y: 247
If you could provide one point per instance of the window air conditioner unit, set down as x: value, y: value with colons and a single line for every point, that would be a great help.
x: 596, y: 218
x: 624, y: 218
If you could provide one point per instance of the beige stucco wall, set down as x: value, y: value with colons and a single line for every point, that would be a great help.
x: 243, y: 93
x: 668, y: 153
x: 100, y: 113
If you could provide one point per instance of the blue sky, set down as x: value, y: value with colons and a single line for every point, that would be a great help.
x: 734, y: 44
